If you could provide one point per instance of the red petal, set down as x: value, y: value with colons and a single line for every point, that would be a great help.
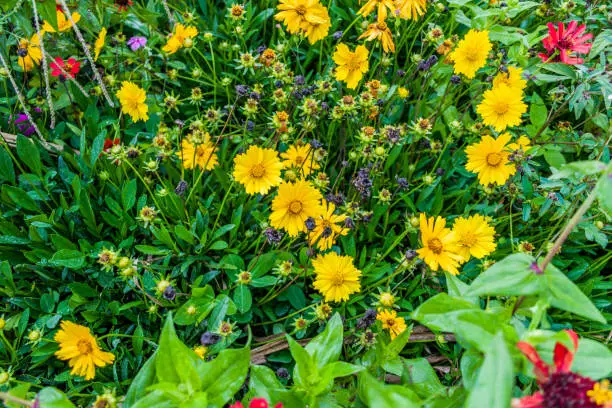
x: 540, y: 368
x: 571, y: 27
x: 563, y: 357
x: 574, y: 337
x: 552, y: 35
x: 279, y: 405
x: 237, y: 405
x: 560, y: 31
x: 579, y: 31
x: 258, y: 403
x: 530, y: 401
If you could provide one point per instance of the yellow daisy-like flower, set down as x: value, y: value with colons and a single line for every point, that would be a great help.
x: 489, y: 159
x: 381, y: 7
x: 304, y: 16
x: 132, y: 99
x: 80, y: 348
x: 380, y: 31
x: 99, y: 43
x: 202, y: 155
x: 601, y: 394
x: 513, y: 78
x: 522, y: 143
x: 475, y: 236
x: 391, y: 321
x: 351, y: 64
x: 317, y: 30
x: 327, y: 229
x: 411, y: 9
x: 63, y: 23
x: 471, y: 53
x: 501, y: 107
x: 336, y: 276
x: 181, y: 36
x: 300, y: 157
x: 295, y: 203
x: 29, y: 53
x: 440, y: 246
x: 258, y: 170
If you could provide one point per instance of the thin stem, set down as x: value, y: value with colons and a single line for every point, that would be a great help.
x: 6, y: 397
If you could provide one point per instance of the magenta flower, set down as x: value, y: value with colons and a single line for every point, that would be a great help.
x: 137, y: 42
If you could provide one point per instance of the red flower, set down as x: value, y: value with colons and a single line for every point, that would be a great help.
x: 70, y: 67
x: 109, y: 143
x: 562, y: 43
x: 256, y: 403
x: 559, y: 387
x: 122, y: 5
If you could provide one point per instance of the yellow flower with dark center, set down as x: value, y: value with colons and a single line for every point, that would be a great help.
x: 411, y: 9
x: 513, y: 78
x: 381, y: 7
x: 489, y: 159
x: 258, y: 170
x: 327, y: 229
x: 300, y: 157
x: 181, y: 37
x: 522, y: 143
x: 380, y: 31
x: 304, y: 16
x: 390, y: 321
x: 471, y: 53
x: 475, y: 236
x: 501, y: 107
x: 202, y: 155
x: 440, y: 247
x: 295, y: 203
x: 351, y: 65
x: 80, y: 348
x: 336, y: 276
x: 318, y: 29
x: 29, y: 53
x: 63, y: 23
x: 99, y: 43
x: 132, y: 99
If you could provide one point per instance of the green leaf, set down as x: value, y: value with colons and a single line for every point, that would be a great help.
x: 68, y: 258
x: 7, y: 171
x: 603, y: 191
x: 48, y: 12
x: 151, y: 250
x: 223, y: 377
x: 145, y: 377
x: 305, y: 367
x: 128, y: 194
x: 242, y: 298
x: 593, y: 359
x: 50, y: 397
x: 376, y: 394
x: 420, y: 377
x: 441, y: 311
x: 537, y: 110
x: 21, y: 198
x: 29, y: 154
x: 138, y: 340
x: 509, y: 277
x: 327, y: 345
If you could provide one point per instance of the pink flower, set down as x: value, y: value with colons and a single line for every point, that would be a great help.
x: 562, y: 43
x: 71, y: 67
x: 256, y: 403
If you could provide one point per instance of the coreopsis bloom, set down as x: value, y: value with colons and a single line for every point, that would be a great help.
x: 381, y: 7
x: 336, y: 276
x: 295, y: 203
x: 307, y: 16
x: 351, y: 65
x: 29, y: 52
x: 319, y: 28
x: 99, y: 43
x: 70, y: 67
x: 202, y: 155
x: 411, y: 9
x: 522, y: 143
x: 390, y: 321
x: 475, y: 237
x: 440, y: 247
x: 63, y: 23
x: 300, y: 158
x: 380, y: 31
x: 132, y: 99
x: 513, y: 78
x: 559, y: 387
x: 327, y: 228
x: 489, y: 159
x: 471, y: 53
x: 256, y: 403
x: 501, y: 107
x: 80, y: 348
x: 562, y: 43
x: 181, y: 37
x: 258, y: 170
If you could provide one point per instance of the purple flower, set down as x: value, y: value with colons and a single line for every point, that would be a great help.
x: 22, y: 123
x: 137, y: 42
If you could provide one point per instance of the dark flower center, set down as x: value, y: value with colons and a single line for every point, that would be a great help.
x: 567, y: 390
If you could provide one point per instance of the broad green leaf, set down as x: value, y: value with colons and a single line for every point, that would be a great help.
x: 128, y: 194
x: 327, y: 345
x: 47, y: 11
x: 305, y: 368
x: 243, y: 298
x: 50, y: 397
x: 376, y: 394
x: 441, y: 311
x: 537, y: 110
x: 68, y: 258
x: 509, y: 277
x: 419, y: 376
x: 7, y: 171
x: 138, y: 388
x: 265, y: 384
x: 223, y: 377
x: 29, y: 154
x: 593, y: 359
x: 21, y: 198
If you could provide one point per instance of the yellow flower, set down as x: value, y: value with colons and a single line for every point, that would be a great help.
x: 601, y: 394
x: 202, y: 155
x: 300, y: 157
x: 411, y: 9
x: 294, y: 203
x: 318, y: 29
x: 489, y: 158
x: 99, y: 43
x: 258, y: 170
x: 475, y: 236
x: 336, y: 276
x: 440, y: 247
x: 307, y: 16
x: 132, y: 99
x: 390, y: 321
x: 351, y: 65
x: 200, y: 351
x: 380, y: 31
x: 327, y: 229
x: 29, y: 52
x: 523, y: 143
x: 513, y: 78
x: 501, y: 107
x: 180, y: 37
x: 471, y: 53
x: 63, y: 23
x: 380, y: 5
x: 402, y: 92
x: 80, y: 347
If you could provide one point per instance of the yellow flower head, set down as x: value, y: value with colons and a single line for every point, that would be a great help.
x: 181, y: 36
x: 601, y: 394
x: 513, y: 78
x: 522, y: 143
x: 80, y: 348
x: 380, y: 31
x: 295, y: 203
x: 381, y: 7
x: 258, y: 170
x: 411, y: 9
x: 319, y: 29
x: 440, y: 247
x: 336, y: 276
x: 99, y: 43
x: 132, y: 99
x: 501, y: 107
x: 300, y: 157
x: 304, y: 16
x: 202, y: 155
x: 63, y: 23
x: 390, y: 321
x: 475, y: 236
x: 327, y: 229
x: 351, y: 64
x: 489, y: 159
x: 403, y: 92
x: 471, y: 53
x: 29, y: 52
